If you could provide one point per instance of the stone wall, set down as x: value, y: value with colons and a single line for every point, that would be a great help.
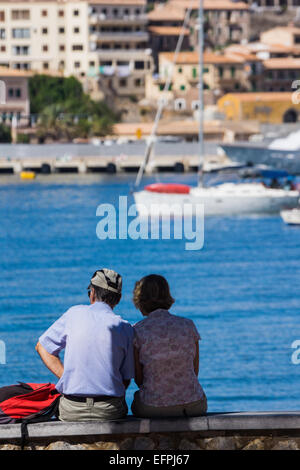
x: 168, y: 442
x: 214, y: 431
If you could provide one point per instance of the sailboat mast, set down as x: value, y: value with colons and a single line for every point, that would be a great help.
x: 201, y: 94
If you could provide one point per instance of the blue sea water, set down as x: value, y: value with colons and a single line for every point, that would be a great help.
x: 241, y: 289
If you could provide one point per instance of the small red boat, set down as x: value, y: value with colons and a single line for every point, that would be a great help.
x: 170, y: 188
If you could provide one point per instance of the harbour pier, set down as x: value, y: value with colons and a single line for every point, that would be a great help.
x: 114, y: 159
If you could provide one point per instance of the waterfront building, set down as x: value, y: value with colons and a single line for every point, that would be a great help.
x: 287, y: 36
x: 165, y: 25
x: 265, y: 107
x: 280, y: 73
x: 225, y: 21
x: 221, y: 74
x: 104, y: 43
x: 14, y: 96
x: 278, y: 58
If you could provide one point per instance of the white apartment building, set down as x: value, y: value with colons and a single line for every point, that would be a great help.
x: 103, y: 41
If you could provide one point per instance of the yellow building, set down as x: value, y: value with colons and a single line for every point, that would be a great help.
x: 267, y: 107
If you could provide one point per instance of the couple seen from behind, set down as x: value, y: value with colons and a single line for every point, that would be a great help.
x: 103, y: 352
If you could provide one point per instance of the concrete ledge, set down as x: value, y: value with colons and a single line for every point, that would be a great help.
x: 239, y: 422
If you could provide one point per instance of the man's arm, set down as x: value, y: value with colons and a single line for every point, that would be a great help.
x: 53, y: 363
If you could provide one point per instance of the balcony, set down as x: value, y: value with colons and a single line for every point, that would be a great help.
x: 118, y: 20
x: 123, y: 54
x: 139, y: 36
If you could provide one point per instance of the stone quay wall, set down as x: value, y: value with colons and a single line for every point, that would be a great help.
x: 215, y: 431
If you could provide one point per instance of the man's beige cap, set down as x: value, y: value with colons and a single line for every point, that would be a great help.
x: 108, y: 279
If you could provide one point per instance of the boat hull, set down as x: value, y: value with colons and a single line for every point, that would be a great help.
x: 219, y: 201
x: 288, y: 160
x: 291, y: 217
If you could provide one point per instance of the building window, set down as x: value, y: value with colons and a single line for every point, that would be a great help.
x: 75, y: 12
x: 2, y: 15
x: 2, y: 33
x: 61, y: 64
x: 14, y: 92
x: 45, y: 65
x: 139, y: 65
x: 61, y: 30
x: 20, y: 50
x: 22, y: 66
x: 20, y: 15
x: 123, y: 82
x: 61, y: 13
x: 44, y: 13
x: 76, y: 65
x: 180, y: 104
x: 77, y: 47
x: 45, y: 48
x: 44, y: 30
x: 3, y: 48
x: 138, y: 82
x: 76, y: 30
x: 180, y: 70
x: 182, y: 87
x: 21, y: 33
x: 194, y: 72
x: 62, y: 47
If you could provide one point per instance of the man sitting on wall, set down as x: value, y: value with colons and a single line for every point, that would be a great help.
x: 98, y: 362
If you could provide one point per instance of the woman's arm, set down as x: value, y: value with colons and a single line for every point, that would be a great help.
x: 53, y: 363
x: 196, y: 359
x: 138, y: 368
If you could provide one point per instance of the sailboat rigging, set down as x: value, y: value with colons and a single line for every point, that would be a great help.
x: 224, y: 199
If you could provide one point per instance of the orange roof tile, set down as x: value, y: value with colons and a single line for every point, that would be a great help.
x: 209, y: 58
x: 284, y: 63
x: 168, y: 30
x: 211, y: 4
x: 166, y: 12
x: 291, y: 29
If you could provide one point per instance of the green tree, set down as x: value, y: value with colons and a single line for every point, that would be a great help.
x: 5, y: 134
x: 65, y: 111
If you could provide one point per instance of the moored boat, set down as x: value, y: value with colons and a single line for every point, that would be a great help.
x: 223, y: 200
x: 291, y: 217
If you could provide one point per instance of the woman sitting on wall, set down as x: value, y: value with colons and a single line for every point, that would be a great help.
x: 166, y: 356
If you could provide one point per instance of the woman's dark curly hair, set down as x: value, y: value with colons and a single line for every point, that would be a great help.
x: 152, y: 292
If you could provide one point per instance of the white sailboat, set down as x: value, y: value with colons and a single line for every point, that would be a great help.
x: 224, y: 199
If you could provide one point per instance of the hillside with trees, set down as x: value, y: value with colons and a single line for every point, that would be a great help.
x: 63, y: 111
